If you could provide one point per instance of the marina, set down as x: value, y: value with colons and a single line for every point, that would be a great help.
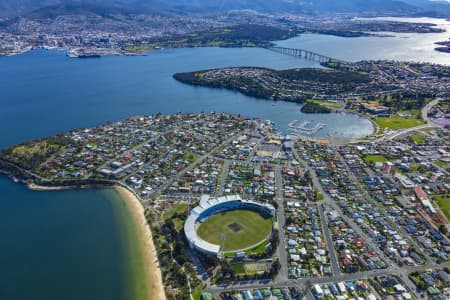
x: 301, y: 128
x: 97, y: 244
x: 110, y: 82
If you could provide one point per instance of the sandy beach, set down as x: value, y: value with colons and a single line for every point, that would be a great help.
x: 144, y: 233
x: 151, y: 258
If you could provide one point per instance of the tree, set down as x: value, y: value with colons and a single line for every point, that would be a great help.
x: 276, y: 266
x: 226, y: 268
x: 319, y: 196
x: 443, y: 229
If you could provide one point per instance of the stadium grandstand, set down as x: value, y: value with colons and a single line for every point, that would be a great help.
x: 209, y: 206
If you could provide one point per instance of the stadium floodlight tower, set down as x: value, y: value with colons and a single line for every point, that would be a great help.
x: 223, y: 237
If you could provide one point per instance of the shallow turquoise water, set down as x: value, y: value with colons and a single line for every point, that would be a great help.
x: 59, y: 244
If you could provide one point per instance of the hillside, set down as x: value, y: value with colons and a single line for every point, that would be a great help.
x: 294, y: 85
x: 12, y: 8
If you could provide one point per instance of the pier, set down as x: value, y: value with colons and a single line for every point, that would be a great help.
x: 302, y: 128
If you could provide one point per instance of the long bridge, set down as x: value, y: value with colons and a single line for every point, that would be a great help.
x: 305, y: 54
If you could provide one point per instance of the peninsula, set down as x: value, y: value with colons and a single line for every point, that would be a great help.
x: 340, y: 81
x: 444, y: 46
x: 314, y: 108
x: 176, y: 172
x: 295, y: 85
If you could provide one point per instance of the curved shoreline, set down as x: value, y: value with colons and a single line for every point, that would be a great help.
x: 150, y: 255
x: 376, y: 128
x: 36, y: 187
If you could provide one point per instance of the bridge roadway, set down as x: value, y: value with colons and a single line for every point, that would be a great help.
x: 306, y: 54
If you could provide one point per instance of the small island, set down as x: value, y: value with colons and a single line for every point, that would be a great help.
x: 445, y: 46
x: 314, y: 108
x: 443, y: 49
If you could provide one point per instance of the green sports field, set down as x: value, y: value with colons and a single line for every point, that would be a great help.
x: 243, y: 228
x: 397, y: 122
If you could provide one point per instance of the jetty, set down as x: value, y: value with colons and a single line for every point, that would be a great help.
x: 297, y: 128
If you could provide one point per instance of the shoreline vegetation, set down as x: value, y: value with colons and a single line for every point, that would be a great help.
x: 314, y: 108
x: 291, y: 85
x: 233, y: 33
x: 327, y: 90
x: 235, y: 36
x: 153, y: 287
x: 444, y: 46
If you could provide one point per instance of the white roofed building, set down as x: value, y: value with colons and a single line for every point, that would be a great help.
x: 209, y: 206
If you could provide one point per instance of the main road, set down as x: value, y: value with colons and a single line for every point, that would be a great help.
x: 257, y: 284
x: 424, y: 113
x: 330, y: 202
x: 283, y: 274
x: 329, y: 241
x: 283, y: 281
x: 426, y: 110
x: 376, y: 207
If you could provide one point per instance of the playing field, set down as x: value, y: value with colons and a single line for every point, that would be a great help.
x: 242, y: 228
x: 397, y: 122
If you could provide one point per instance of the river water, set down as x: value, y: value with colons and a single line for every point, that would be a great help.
x: 67, y: 244
x: 399, y: 46
x: 59, y: 93
x: 60, y: 244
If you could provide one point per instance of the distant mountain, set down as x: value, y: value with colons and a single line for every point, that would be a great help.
x: 20, y: 7
x: 17, y: 7
x: 357, y: 6
x: 431, y: 8
x: 286, y: 5
x: 427, y: 3
x: 77, y: 8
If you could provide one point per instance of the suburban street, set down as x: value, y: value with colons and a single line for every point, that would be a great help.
x: 397, y: 133
x: 282, y: 280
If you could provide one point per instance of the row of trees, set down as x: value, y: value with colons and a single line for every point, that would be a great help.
x: 31, y: 154
x: 172, y: 249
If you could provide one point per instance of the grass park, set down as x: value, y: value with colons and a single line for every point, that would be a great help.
x: 372, y: 159
x: 418, y: 138
x: 443, y: 201
x: 397, y: 122
x: 402, y: 119
x: 242, y: 228
x: 250, y: 268
x: 177, y: 208
x: 441, y: 164
x: 325, y: 103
